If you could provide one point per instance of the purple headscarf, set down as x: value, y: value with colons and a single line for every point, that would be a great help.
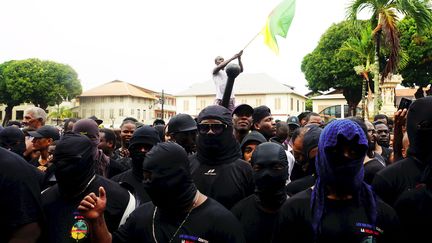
x: 329, y: 170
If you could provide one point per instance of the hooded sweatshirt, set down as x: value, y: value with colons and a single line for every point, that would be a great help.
x: 390, y: 182
x: 217, y: 169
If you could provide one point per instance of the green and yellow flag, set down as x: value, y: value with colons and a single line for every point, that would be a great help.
x: 278, y: 23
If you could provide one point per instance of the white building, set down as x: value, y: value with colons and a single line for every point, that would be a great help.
x: 253, y: 89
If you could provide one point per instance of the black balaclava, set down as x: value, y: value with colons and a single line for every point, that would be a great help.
x: 143, y: 135
x: 270, y: 183
x: 310, y: 141
x: 167, y: 178
x: 419, y: 115
x: 13, y: 139
x: 221, y: 149
x: 74, y: 164
x: 253, y: 136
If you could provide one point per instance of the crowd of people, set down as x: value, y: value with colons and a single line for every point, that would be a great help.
x: 225, y: 176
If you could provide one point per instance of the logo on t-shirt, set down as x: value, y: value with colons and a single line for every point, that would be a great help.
x: 80, y: 228
x: 191, y: 239
x: 211, y: 172
x: 371, y: 232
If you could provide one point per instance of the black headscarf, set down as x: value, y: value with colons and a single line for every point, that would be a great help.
x: 221, y: 149
x: 74, y: 164
x: 167, y: 179
x: 143, y: 135
x: 270, y: 183
x: 13, y: 139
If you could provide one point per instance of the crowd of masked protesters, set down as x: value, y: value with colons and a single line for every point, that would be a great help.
x: 224, y: 176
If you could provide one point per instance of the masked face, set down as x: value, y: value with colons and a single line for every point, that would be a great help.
x: 167, y: 179
x: 187, y: 140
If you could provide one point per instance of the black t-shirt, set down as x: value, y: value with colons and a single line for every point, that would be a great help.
x: 115, y: 168
x: 343, y: 221
x: 226, y: 183
x: 414, y: 209
x: 61, y: 213
x: 258, y: 226
x: 396, y: 178
x: 209, y: 222
x: 20, y: 194
x: 370, y: 169
x: 299, y: 185
x: 386, y: 153
x: 131, y: 183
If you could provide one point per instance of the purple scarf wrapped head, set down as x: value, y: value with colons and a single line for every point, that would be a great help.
x: 340, y: 173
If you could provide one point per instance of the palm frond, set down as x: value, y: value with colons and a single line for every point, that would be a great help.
x: 391, y: 38
x: 357, y: 6
x: 420, y: 11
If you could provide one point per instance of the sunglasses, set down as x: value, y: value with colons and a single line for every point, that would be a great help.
x: 217, y: 128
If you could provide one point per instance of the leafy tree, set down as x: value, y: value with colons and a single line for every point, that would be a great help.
x: 42, y: 83
x: 6, y: 96
x: 326, y: 67
x: 384, y: 19
x: 418, y: 47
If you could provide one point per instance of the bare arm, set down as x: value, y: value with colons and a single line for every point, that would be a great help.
x: 28, y: 233
x: 239, y: 61
x: 399, y: 121
x: 92, y: 208
x: 224, y: 63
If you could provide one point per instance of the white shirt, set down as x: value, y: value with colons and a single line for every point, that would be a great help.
x: 220, y: 79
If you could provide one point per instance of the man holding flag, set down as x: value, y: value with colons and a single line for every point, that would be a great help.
x: 220, y: 78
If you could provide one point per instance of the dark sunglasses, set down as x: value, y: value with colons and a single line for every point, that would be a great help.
x: 217, y: 128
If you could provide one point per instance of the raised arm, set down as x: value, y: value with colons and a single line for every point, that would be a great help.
x: 92, y: 208
x: 224, y: 63
x: 399, y: 122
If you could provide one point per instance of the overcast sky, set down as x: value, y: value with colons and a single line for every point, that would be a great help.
x: 163, y: 44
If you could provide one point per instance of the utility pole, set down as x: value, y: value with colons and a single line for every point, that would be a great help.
x: 162, y: 103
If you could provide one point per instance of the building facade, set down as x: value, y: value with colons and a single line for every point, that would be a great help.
x: 252, y: 89
x: 116, y: 100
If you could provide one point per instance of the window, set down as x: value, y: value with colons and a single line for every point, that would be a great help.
x: 121, y: 98
x: 121, y: 112
x: 258, y: 102
x: 244, y: 101
x: 92, y: 112
x: 83, y: 113
x: 298, y: 105
x: 139, y: 114
x: 203, y: 104
x: 19, y: 115
x: 102, y: 114
x: 277, y: 103
x: 186, y: 105
x: 303, y: 106
x: 111, y: 99
x: 111, y: 113
x: 132, y: 112
x: 292, y: 103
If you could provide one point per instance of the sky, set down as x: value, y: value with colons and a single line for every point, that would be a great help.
x: 163, y: 44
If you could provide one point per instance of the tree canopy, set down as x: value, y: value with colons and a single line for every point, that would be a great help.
x: 326, y: 67
x: 418, y: 46
x: 40, y: 82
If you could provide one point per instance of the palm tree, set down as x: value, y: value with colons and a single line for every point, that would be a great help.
x: 362, y: 47
x: 60, y: 114
x: 384, y: 17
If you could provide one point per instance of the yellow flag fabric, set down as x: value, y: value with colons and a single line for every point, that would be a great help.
x: 278, y: 23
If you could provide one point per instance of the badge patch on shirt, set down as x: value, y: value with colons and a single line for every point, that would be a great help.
x: 80, y: 228
x: 191, y: 239
x: 211, y: 172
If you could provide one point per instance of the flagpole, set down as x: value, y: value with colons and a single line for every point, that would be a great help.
x: 251, y: 40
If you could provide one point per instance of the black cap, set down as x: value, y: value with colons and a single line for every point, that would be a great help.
x: 260, y: 113
x: 293, y: 120
x: 46, y: 132
x: 129, y: 118
x: 94, y: 118
x: 181, y: 123
x: 243, y: 109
